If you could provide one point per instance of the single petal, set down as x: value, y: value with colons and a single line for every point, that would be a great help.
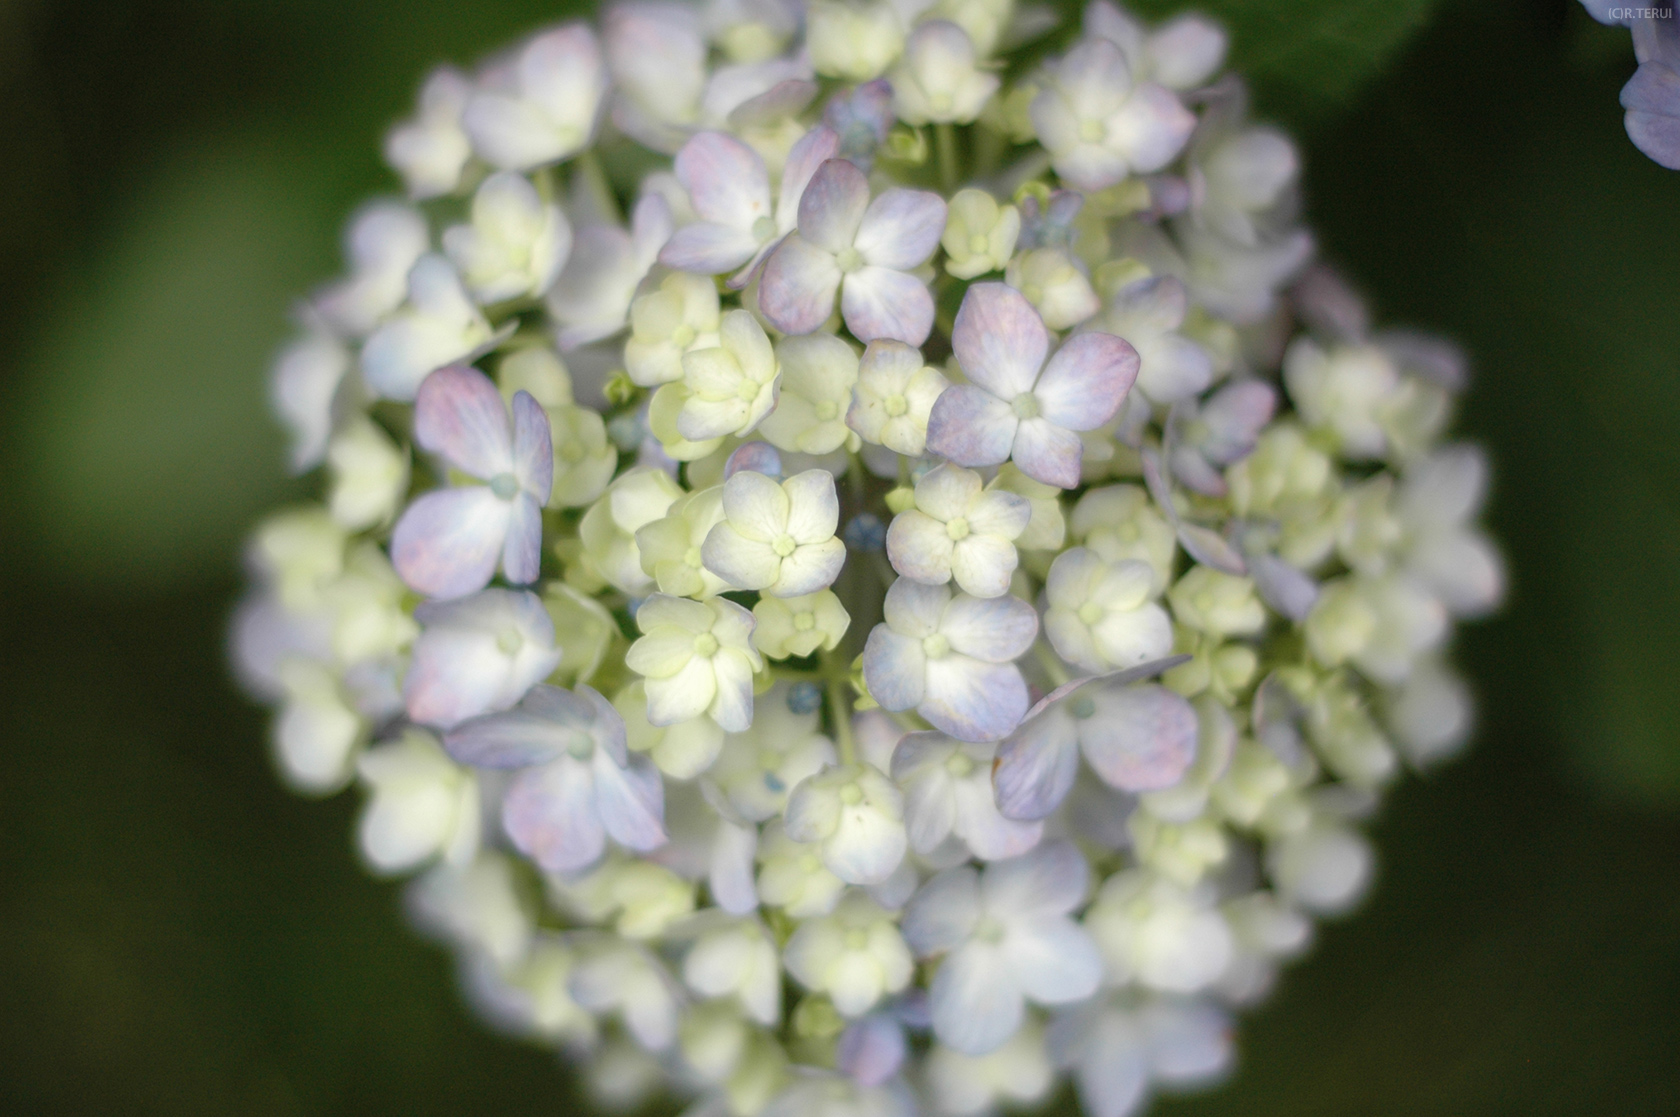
x: 1055, y: 962
x: 814, y: 149
x: 972, y: 700
x: 994, y: 629
x: 894, y: 667
x: 970, y: 426
x: 813, y: 506
x: 811, y: 567
x: 458, y: 413
x: 744, y: 563
x: 1140, y: 738
x: 930, y: 806
x: 1652, y: 100
x: 880, y: 303
x: 533, y: 447
x: 755, y: 457
x: 708, y: 249
x: 919, y: 547
x: 522, y: 551
x: 731, y: 872
x: 447, y: 542
x: 989, y: 835
x: 758, y: 507
x: 1234, y: 418
x: 901, y: 229
x: 1086, y: 380
x: 630, y: 801
x: 946, y: 493
x: 867, y: 845
x: 975, y: 1001
x: 1036, y: 766
x: 999, y: 339
x: 796, y: 291
x: 1001, y: 513
x: 871, y: 1050
x: 514, y: 739
x: 725, y: 179
x: 1048, y: 453
x: 1050, y: 881
x: 943, y: 913
x: 687, y: 694
x: 732, y: 704
x: 833, y: 205
x: 982, y: 565
x: 549, y: 812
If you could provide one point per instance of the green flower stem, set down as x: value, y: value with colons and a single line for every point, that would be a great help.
x: 945, y: 145
x: 1052, y: 666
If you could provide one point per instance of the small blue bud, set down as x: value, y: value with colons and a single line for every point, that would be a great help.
x: 865, y: 532
x: 804, y: 698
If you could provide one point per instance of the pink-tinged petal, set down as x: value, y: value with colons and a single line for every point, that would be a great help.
x: 797, y: 288
x: 1036, y: 766
x: 1085, y: 382
x: 881, y: 303
x: 1048, y: 453
x: 1140, y: 738
x: 522, y: 552
x: 999, y: 339
x: 630, y: 801
x: 516, y: 739
x: 708, y: 249
x: 1234, y: 418
x: 725, y: 179
x: 893, y: 668
x: 833, y: 204
x: 919, y: 547
x: 1284, y: 588
x: 994, y: 629
x: 550, y: 814
x: 901, y: 229
x: 533, y: 447
x: 970, y: 426
x: 972, y: 700
x: 814, y: 149
x: 754, y: 457
x: 447, y: 542
x: 1055, y: 962
x: 975, y: 1002
x: 458, y: 413
x: 813, y: 506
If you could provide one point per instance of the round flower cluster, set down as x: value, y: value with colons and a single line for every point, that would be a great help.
x: 860, y: 563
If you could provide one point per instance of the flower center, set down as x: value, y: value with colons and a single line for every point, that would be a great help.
x: 849, y: 259
x: 959, y: 765
x: 1092, y: 131
x: 1025, y: 406
x: 827, y: 410
x: 1082, y: 707
x: 705, y: 644
x: 683, y: 336
x: 1090, y: 613
x: 851, y: 795
x: 783, y: 545
x: 988, y: 930
x: 804, y: 622
x: 763, y: 229
x: 936, y: 646
x: 691, y: 557
x: 979, y: 243
x: 957, y: 529
x: 571, y: 453
x: 509, y: 641
x: 857, y: 939
x: 896, y: 405
x: 505, y: 485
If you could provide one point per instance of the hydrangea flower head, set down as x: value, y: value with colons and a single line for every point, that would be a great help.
x: 837, y: 572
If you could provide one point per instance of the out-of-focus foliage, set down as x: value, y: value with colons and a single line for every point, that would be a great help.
x: 179, y: 936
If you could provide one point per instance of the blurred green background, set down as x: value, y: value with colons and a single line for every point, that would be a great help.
x: 179, y: 935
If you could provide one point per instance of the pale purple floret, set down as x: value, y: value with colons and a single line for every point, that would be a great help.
x: 577, y: 785
x: 477, y: 655
x: 1017, y: 405
x: 871, y: 1049
x: 730, y: 188
x: 449, y: 541
x: 1652, y: 96
x: 951, y: 658
x: 861, y: 250
x: 1136, y: 736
